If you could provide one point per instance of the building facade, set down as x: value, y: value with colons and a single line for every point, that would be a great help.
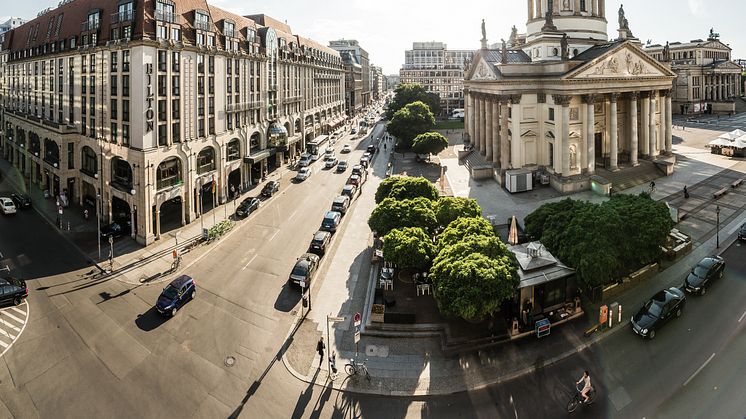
x: 11, y: 23
x: 378, y: 84
x: 439, y: 70
x: 569, y: 100
x: 353, y: 83
x: 707, y: 80
x: 357, y: 66
x: 154, y: 112
x: 392, y: 81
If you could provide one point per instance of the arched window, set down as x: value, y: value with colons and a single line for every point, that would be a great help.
x: 169, y: 173
x: 51, y: 152
x: 233, y: 150
x: 88, y: 161
x: 206, y: 160
x: 255, y: 141
x: 121, y: 174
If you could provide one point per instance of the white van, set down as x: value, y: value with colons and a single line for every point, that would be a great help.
x: 305, y: 160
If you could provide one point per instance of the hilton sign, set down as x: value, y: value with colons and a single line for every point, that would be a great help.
x: 149, y: 113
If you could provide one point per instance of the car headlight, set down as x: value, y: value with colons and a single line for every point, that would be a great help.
x: 644, y: 331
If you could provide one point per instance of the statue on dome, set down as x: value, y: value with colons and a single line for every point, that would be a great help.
x: 622, y: 19
x: 667, y: 52
x: 549, y: 22
x: 565, y: 47
x: 484, y: 30
x: 513, y: 37
x: 504, y: 53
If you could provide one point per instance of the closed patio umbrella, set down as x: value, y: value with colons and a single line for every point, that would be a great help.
x: 513, y: 233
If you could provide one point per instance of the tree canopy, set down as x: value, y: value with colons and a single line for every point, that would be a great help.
x: 429, y: 143
x: 449, y: 208
x: 396, y: 214
x: 405, y: 187
x: 409, y: 247
x: 409, y: 122
x: 464, y: 227
x: 407, y: 93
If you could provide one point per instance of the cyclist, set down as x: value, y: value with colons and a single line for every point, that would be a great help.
x: 586, y: 379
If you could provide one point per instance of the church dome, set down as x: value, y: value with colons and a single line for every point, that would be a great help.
x: 579, y: 19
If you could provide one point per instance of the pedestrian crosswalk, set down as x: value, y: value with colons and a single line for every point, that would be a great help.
x: 12, y: 322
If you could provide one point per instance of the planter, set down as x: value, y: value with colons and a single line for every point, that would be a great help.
x: 377, y: 313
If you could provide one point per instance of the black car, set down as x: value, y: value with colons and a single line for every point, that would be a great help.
x: 116, y: 229
x: 247, y: 206
x: 701, y: 277
x: 175, y: 295
x: 320, y: 240
x: 303, y: 271
x: 664, y: 305
x: 742, y: 232
x: 12, y: 290
x: 371, y: 149
x: 22, y: 201
x: 270, y: 188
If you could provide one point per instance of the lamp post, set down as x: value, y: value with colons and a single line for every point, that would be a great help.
x: 717, y: 234
x: 98, y: 222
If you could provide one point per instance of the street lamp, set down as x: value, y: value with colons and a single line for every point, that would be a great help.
x: 717, y: 234
x: 98, y: 222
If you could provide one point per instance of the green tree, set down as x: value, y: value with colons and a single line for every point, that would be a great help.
x: 409, y: 122
x: 396, y: 214
x: 537, y: 220
x: 407, y: 93
x: 429, y: 143
x: 464, y: 227
x: 409, y: 247
x: 474, y: 286
x: 448, y: 209
x: 405, y: 187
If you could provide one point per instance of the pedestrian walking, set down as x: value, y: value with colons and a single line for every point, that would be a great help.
x: 320, y: 349
x: 333, y: 365
x: 686, y: 192
x: 85, y: 214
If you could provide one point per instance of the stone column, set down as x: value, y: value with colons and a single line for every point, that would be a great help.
x: 516, y: 146
x: 495, y: 119
x: 470, y: 117
x: 504, y: 143
x: 602, y: 8
x: 669, y: 122
x: 482, y: 124
x: 613, y: 134
x: 645, y: 113
x: 634, y: 141
x: 488, y: 129
x: 564, y: 138
x: 651, y: 120
x: 477, y: 125
x: 530, y: 9
x: 590, y: 134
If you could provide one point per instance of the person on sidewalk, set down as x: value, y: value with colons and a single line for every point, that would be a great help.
x: 686, y: 192
x: 333, y: 364
x: 85, y: 214
x: 320, y: 349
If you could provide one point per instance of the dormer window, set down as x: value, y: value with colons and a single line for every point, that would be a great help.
x: 229, y: 29
x: 164, y: 11
x: 93, y: 22
x: 201, y: 21
x: 125, y: 13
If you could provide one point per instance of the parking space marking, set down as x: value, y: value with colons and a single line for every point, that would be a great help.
x: 17, y: 310
x: 7, y: 313
x: 13, y: 321
x: 10, y: 325
x: 699, y: 369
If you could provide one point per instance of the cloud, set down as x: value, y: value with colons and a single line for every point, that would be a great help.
x: 697, y: 7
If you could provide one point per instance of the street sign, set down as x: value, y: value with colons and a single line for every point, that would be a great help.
x: 543, y: 328
x: 303, y: 284
x: 357, y: 333
x: 357, y: 319
x: 335, y: 319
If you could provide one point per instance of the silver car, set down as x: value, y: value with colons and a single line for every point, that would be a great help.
x: 7, y: 206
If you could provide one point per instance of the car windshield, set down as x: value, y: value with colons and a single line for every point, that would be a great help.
x: 653, y: 308
x: 300, y: 269
x: 170, y: 292
x: 700, y: 271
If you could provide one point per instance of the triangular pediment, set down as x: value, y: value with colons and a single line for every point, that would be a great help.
x: 727, y: 65
x: 624, y: 61
x: 481, y: 70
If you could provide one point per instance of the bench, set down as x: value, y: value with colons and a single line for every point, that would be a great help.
x: 736, y: 183
x: 720, y: 193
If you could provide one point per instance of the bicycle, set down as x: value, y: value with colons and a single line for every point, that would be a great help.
x: 577, y: 398
x: 176, y: 263
x: 357, y: 368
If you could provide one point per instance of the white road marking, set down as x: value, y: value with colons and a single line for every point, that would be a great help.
x: 12, y: 317
x: 742, y: 317
x: 699, y: 369
x: 18, y: 310
x: 3, y: 344
x: 274, y: 235
x: 249, y: 263
x: 10, y: 325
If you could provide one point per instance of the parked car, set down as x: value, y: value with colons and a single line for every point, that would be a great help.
x: 305, y: 160
x: 664, y: 305
x: 330, y: 162
x: 331, y: 221
x: 304, y: 269
x: 303, y: 174
x: 270, y: 188
x: 116, y: 229
x: 341, y: 166
x: 354, y: 180
x: 742, y: 232
x: 371, y: 149
x: 12, y: 290
x: 175, y: 295
x: 365, y: 162
x: 346, y: 148
x: 701, y: 277
x: 320, y: 240
x: 358, y: 170
x: 349, y: 190
x: 7, y: 206
x: 22, y: 201
x: 247, y: 206
x: 341, y: 203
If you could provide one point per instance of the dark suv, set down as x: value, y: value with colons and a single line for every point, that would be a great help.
x: 270, y: 188
x: 247, y: 206
x: 22, y: 201
x: 12, y: 290
x: 175, y: 295
x: 701, y: 277
x: 304, y: 268
x: 320, y: 241
x: 664, y: 305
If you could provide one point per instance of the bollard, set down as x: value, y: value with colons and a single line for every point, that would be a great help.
x: 68, y: 226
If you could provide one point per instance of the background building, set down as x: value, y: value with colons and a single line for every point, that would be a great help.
x: 439, y: 70
x: 156, y: 112
x: 11, y: 23
x: 378, y: 84
x: 392, y: 80
x: 354, y: 55
x: 707, y: 81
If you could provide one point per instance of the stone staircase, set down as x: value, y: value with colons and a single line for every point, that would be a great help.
x: 629, y: 177
x: 477, y: 164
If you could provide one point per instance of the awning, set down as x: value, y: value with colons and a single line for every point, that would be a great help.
x: 294, y: 139
x: 278, y: 130
x: 258, y: 156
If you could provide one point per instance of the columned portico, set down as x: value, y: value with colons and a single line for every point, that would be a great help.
x: 613, y: 134
x: 668, y: 121
x: 504, y: 143
x: 516, y: 149
x: 488, y: 129
x: 482, y: 124
x: 495, y: 119
x: 645, y: 114
x: 652, y: 126
x: 477, y: 141
x: 590, y: 135
x: 634, y: 141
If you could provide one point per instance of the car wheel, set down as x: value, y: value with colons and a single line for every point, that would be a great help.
x: 173, y: 311
x: 194, y: 294
x: 703, y: 291
x: 652, y: 334
x: 17, y: 301
x: 678, y: 311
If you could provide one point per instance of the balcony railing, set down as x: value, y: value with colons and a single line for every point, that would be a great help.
x: 202, y: 25
x: 164, y: 16
x: 90, y: 25
x: 123, y: 16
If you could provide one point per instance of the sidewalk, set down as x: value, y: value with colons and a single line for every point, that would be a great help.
x: 416, y: 366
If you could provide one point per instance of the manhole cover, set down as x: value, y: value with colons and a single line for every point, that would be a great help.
x: 229, y: 361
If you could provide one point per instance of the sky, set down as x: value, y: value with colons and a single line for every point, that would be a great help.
x: 386, y: 28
